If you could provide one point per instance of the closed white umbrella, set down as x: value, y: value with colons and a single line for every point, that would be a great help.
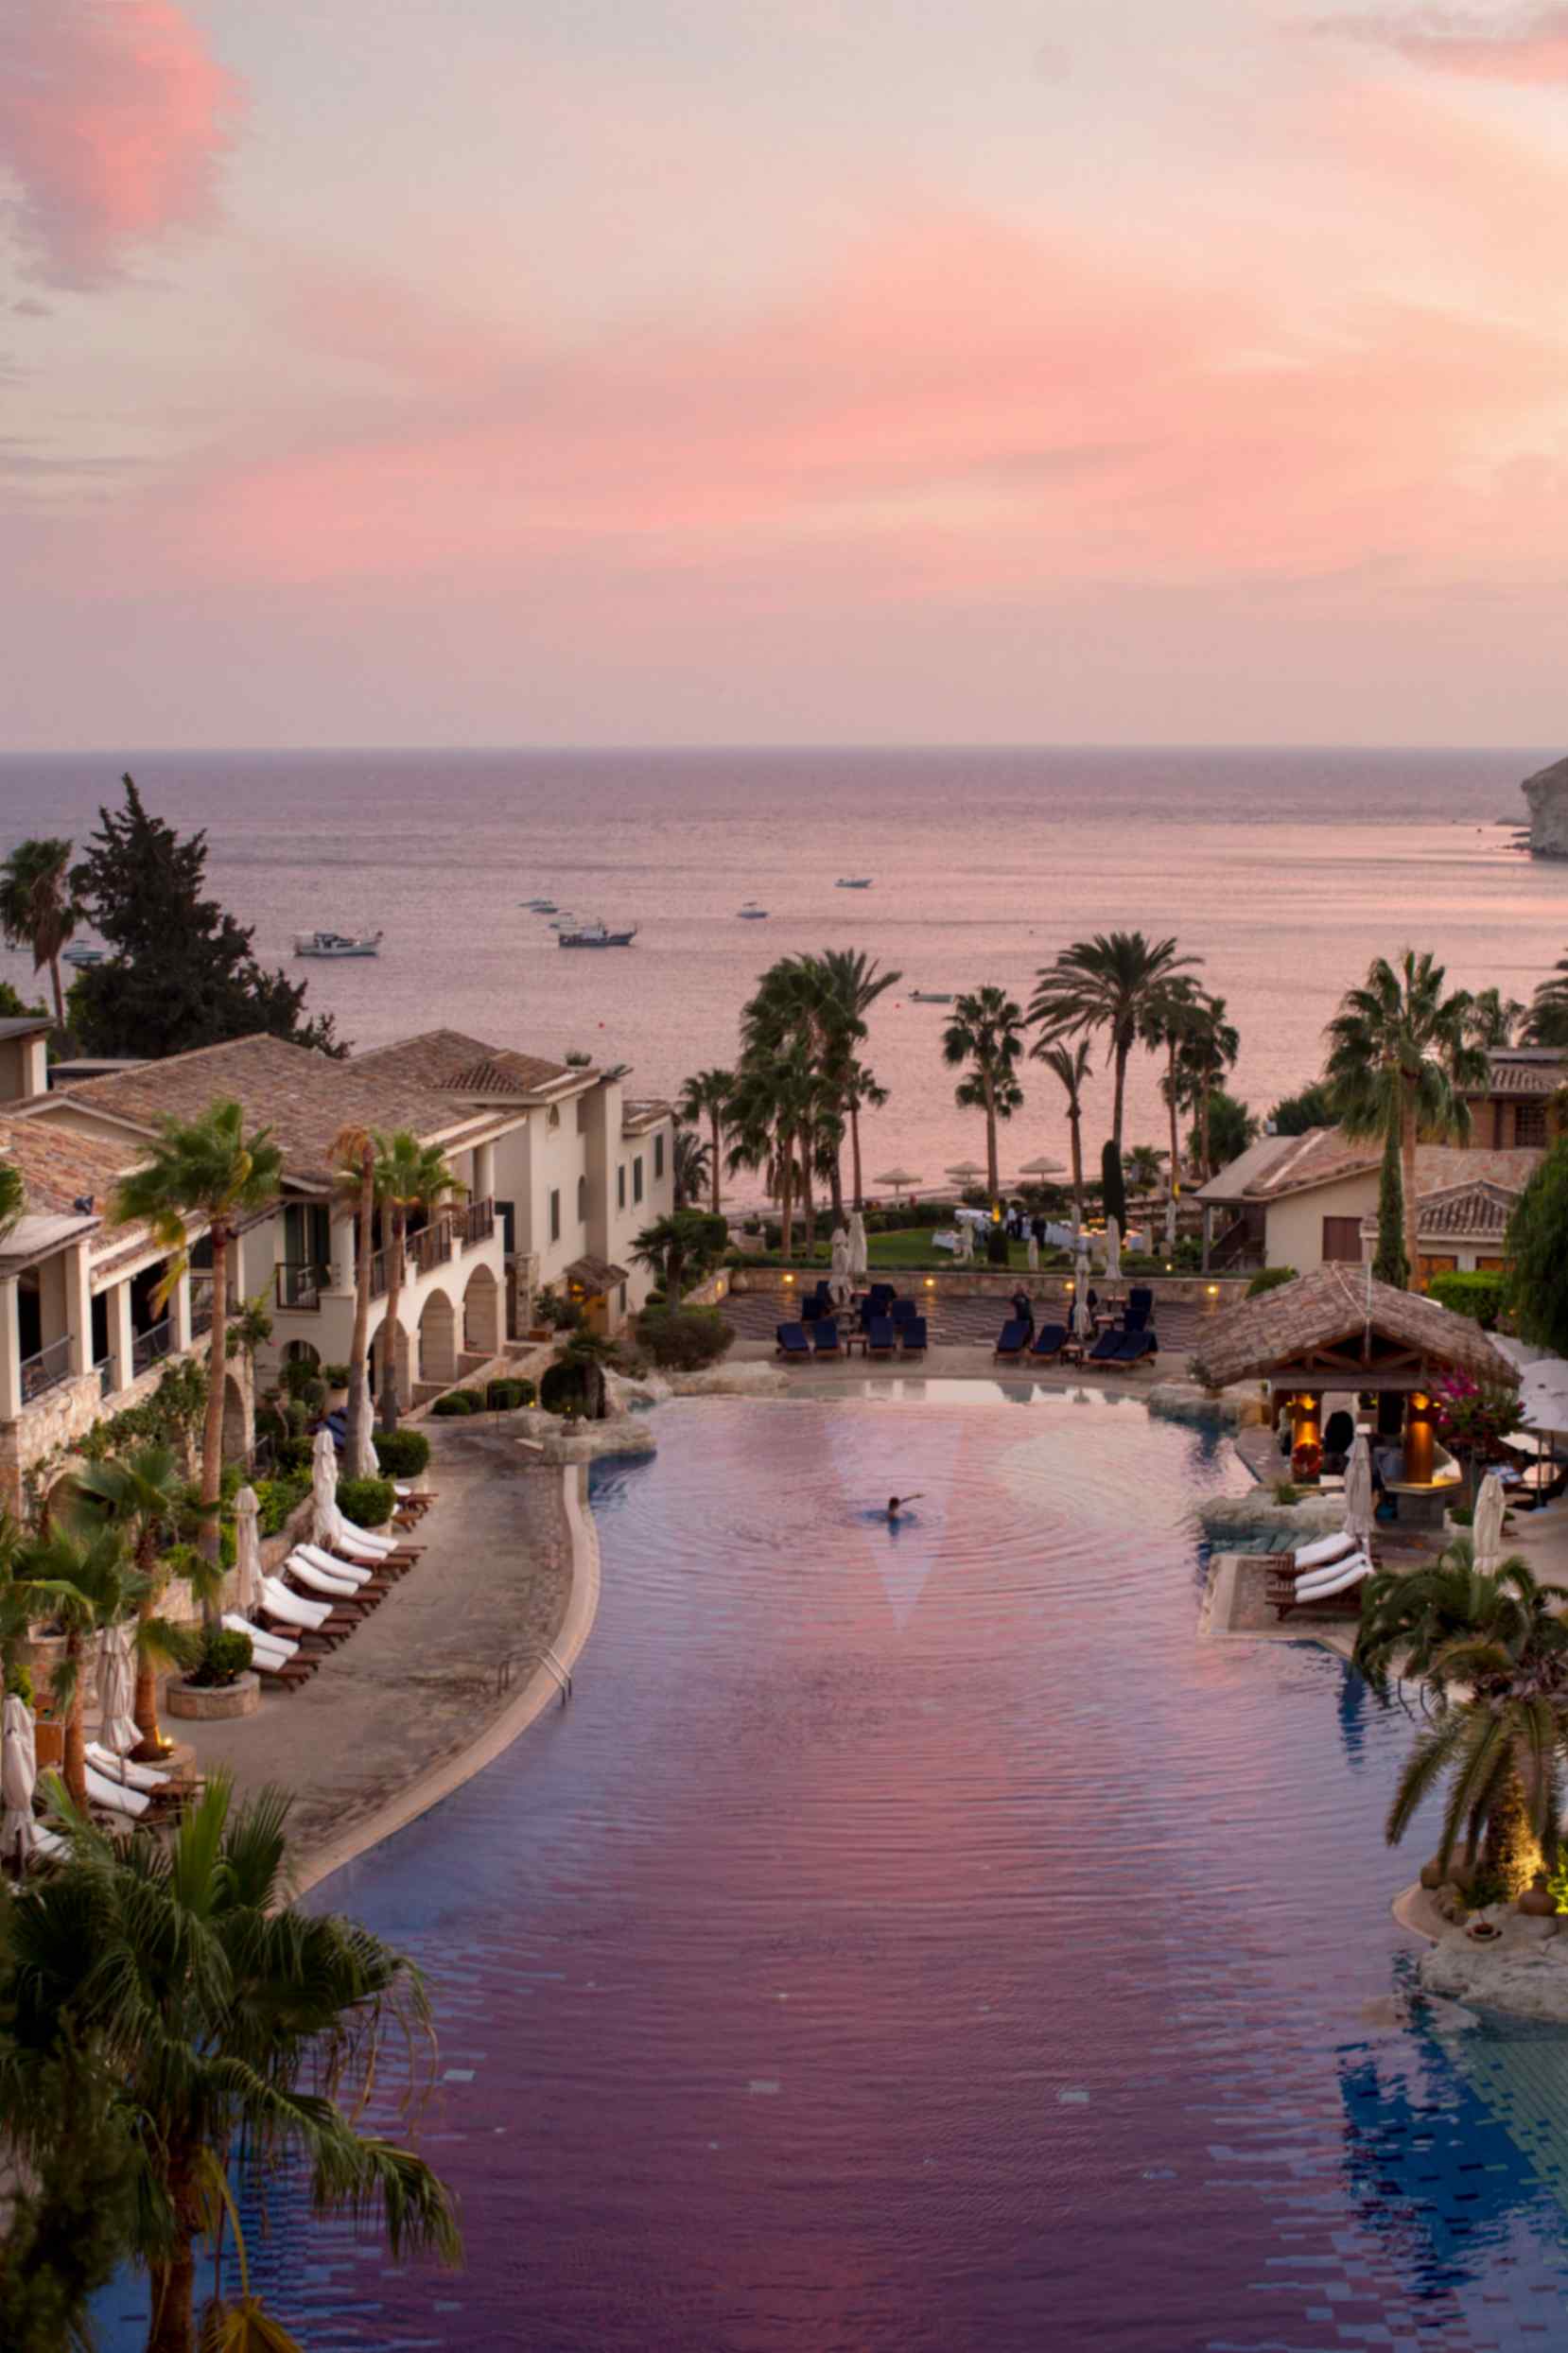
x: 859, y: 1256
x: 838, y: 1283
x: 324, y: 1489
x: 1486, y: 1529
x: 1114, y: 1250
x: 1034, y: 1248
x: 360, y: 1460
x: 1360, y: 1504
x: 18, y: 1779
x: 119, y: 1732
x: 1083, y: 1315
x: 247, y: 1551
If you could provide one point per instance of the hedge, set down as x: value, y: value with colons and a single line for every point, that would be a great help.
x: 506, y: 1396
x: 1269, y: 1279
x: 277, y: 1497
x: 455, y: 1401
x: 1480, y: 1296
x: 401, y: 1453
x: 368, y: 1503
x: 684, y: 1339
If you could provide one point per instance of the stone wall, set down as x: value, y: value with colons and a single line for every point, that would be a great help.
x: 1211, y: 1293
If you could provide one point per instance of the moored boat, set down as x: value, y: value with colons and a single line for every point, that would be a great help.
x: 334, y: 944
x: 84, y: 955
x: 853, y: 882
x: 752, y: 913
x: 929, y: 997
x: 597, y: 936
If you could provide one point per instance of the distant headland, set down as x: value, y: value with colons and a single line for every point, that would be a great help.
x: 1548, y: 794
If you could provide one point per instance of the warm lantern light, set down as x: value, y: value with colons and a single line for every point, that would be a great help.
x: 930, y: 1283
x: 788, y: 1281
x: 1214, y: 1290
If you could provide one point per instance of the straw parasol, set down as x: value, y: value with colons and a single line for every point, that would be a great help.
x: 899, y: 1178
x: 1486, y: 1527
x: 247, y: 1550
x: 1044, y: 1166
x: 967, y: 1170
x: 18, y: 1779
x: 1359, y: 1501
x: 118, y: 1731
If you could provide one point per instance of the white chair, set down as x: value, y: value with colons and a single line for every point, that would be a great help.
x: 293, y: 1608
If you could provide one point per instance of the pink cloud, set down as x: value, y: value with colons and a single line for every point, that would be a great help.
x: 1524, y: 46
x: 114, y: 120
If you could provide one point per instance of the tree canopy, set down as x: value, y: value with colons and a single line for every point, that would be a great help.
x: 1538, y: 1251
x: 181, y: 973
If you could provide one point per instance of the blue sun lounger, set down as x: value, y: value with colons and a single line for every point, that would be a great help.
x: 912, y: 1335
x: 825, y: 1337
x: 792, y: 1340
x: 1108, y: 1348
x: 1140, y: 1308
x: 1014, y: 1338
x: 1133, y: 1348
x: 1049, y: 1340
x: 880, y: 1337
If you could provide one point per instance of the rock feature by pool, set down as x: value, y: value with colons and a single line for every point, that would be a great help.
x: 1524, y: 1971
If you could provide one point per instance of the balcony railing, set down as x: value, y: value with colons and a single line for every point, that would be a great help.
x: 46, y: 1371
x: 299, y: 1285
x: 201, y: 1304
x: 150, y: 1347
x: 105, y: 1371
x: 432, y: 1246
x: 478, y: 1223
x: 378, y: 1276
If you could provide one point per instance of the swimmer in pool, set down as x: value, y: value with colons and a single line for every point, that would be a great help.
x: 897, y: 1503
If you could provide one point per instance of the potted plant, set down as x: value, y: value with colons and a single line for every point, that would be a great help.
x: 220, y: 1685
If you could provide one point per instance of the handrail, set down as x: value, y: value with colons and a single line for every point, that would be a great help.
x: 148, y: 1348
x: 562, y: 1674
x: 46, y: 1370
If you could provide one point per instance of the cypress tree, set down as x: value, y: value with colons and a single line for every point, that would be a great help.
x: 1391, y: 1265
x: 181, y: 973
x: 1114, y: 1193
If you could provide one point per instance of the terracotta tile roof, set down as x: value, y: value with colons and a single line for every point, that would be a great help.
x: 1480, y: 1211
x: 1527, y: 1071
x: 58, y: 1168
x: 595, y: 1274
x: 635, y: 1118
x: 1325, y: 1155
x: 1283, y: 1326
x: 448, y: 1059
x: 303, y: 1097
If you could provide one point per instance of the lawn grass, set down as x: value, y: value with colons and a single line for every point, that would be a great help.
x: 911, y: 1247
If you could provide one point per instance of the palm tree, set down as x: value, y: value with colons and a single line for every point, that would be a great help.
x: 1547, y: 1024
x: 707, y: 1095
x: 1493, y: 1021
x: 353, y: 1159
x: 1071, y: 1064
x: 1168, y: 1021
x: 773, y: 1114
x: 408, y: 1175
x: 39, y: 909
x: 143, y: 1497
x: 850, y: 984
x: 233, y: 2026
x: 1397, y: 1060
x: 206, y: 1170
x: 1108, y: 983
x: 83, y: 1582
x: 789, y: 1019
x: 669, y: 1245
x: 692, y: 1159
x: 1204, y: 1057
x: 986, y: 1032
x: 13, y: 1199
x: 1144, y: 1164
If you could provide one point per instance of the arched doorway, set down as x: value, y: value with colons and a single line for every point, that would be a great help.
x: 379, y: 1358
x: 481, y: 1313
x: 438, y: 1339
x: 239, y: 1427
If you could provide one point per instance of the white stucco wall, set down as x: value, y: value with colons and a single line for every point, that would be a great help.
x: 1295, y: 1225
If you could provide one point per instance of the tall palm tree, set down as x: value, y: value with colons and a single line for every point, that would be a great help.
x: 408, y: 1175
x: 691, y: 1161
x: 986, y: 1032
x: 790, y: 1016
x: 707, y: 1095
x: 1106, y: 983
x: 353, y: 1160
x: 1071, y: 1064
x: 850, y: 983
x: 1167, y: 1023
x: 774, y: 1115
x: 83, y: 1582
x: 1494, y: 1020
x: 1547, y: 1024
x: 208, y: 1172
x: 1204, y: 1057
x: 39, y: 909
x: 1398, y: 1060
x: 143, y: 1497
x: 234, y: 2028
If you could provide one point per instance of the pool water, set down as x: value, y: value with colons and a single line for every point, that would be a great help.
x: 917, y: 1938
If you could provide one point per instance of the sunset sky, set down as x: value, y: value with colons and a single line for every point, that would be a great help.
x: 633, y: 371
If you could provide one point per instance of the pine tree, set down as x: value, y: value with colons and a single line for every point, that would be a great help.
x: 1390, y: 1265
x: 181, y: 973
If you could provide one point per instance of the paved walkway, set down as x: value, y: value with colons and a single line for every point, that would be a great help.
x: 956, y: 1322
x: 441, y: 1657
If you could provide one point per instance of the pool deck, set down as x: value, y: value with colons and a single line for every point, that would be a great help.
x: 444, y: 1675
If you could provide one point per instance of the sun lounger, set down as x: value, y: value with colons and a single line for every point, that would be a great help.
x: 1321, y: 1552
x: 334, y: 1588
x: 912, y: 1336
x: 1106, y: 1348
x: 825, y: 1337
x: 905, y: 1311
x: 363, y: 1579
x: 114, y: 1797
x: 275, y: 1655
x: 1139, y: 1309
x: 1014, y: 1337
x: 882, y: 1338
x: 124, y: 1769
x: 792, y: 1340
x: 1049, y: 1340
x: 310, y: 1617
x: 1333, y: 1591
x: 1135, y: 1348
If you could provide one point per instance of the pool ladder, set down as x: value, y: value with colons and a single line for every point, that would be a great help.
x: 562, y: 1674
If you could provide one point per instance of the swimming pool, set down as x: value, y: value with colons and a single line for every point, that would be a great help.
x: 920, y: 1939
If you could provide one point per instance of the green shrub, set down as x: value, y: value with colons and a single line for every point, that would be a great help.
x: 297, y: 1374
x: 225, y: 1657
x: 401, y: 1453
x: 19, y: 1683
x: 314, y: 1395
x: 277, y: 1497
x: 1269, y: 1279
x: 299, y: 1416
x: 682, y: 1339
x: 336, y: 1376
x: 1286, y: 1492
x: 503, y: 1397
x: 455, y: 1402
x: 295, y: 1453
x: 368, y: 1503
x: 1479, y: 1295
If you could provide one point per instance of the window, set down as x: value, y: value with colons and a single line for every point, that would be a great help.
x: 658, y: 1156
x: 582, y: 1200
x: 555, y: 1215
x: 1529, y: 1123
x: 621, y: 1186
x: 1342, y: 1240
x: 554, y: 1120
x: 636, y: 1179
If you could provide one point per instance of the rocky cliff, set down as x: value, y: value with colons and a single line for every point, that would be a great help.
x: 1547, y: 794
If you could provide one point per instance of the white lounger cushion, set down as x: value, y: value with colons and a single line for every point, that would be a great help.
x: 315, y: 1581
x: 1316, y: 1556
x: 110, y: 1795
x: 372, y: 1543
x: 1337, y: 1580
x: 292, y: 1608
x: 261, y: 1637
x: 122, y: 1768
x: 330, y: 1565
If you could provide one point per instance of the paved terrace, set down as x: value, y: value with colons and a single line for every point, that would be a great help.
x: 953, y: 1321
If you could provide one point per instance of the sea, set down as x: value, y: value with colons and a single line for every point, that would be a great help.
x: 1284, y: 871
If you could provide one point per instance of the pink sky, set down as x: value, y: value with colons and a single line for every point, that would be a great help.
x: 459, y: 374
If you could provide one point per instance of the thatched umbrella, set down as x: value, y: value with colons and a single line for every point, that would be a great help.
x: 899, y: 1178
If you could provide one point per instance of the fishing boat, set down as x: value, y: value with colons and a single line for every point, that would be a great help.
x: 597, y: 934
x: 84, y: 955
x: 929, y: 997
x: 752, y: 913
x: 853, y: 882
x: 335, y: 944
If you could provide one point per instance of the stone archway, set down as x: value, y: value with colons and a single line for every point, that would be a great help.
x: 302, y: 1352
x: 481, y: 1313
x: 240, y: 1435
x: 437, y: 1340
x: 377, y: 1363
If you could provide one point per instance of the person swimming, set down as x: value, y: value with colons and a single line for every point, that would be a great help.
x: 896, y: 1503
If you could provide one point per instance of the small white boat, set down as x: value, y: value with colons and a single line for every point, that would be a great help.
x: 539, y: 906
x: 84, y: 955
x: 929, y: 997
x: 334, y: 944
x: 566, y: 923
x: 597, y: 934
x: 752, y: 913
x: 853, y: 882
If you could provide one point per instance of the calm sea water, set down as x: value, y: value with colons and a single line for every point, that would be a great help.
x: 1286, y: 871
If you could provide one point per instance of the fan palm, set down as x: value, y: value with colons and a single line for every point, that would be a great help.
x: 353, y: 1160
x: 203, y: 1171
x: 1493, y: 1021
x: 408, y: 1175
x: 1547, y: 1024
x: 1109, y: 982
x: 1205, y: 1055
x: 1167, y: 1023
x: 707, y: 1095
x: 238, y: 2032
x: 83, y: 1582
x: 1071, y: 1064
x: 1398, y: 1060
x: 39, y: 909
x: 1412, y: 1616
x: 774, y: 1115
x: 691, y: 1162
x: 850, y: 984
x: 143, y: 1497
x: 986, y: 1032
